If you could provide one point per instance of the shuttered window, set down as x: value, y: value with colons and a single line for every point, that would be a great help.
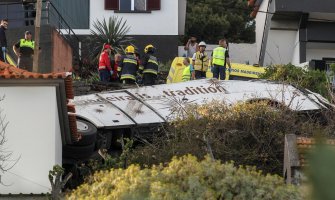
x: 133, y: 5
x: 153, y: 4
x: 111, y: 4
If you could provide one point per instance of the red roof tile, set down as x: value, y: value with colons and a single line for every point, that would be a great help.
x: 11, y: 72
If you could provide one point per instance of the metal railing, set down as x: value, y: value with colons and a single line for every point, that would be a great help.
x: 20, y: 16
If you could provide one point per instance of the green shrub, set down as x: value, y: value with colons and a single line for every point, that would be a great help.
x: 186, y: 178
x: 248, y: 134
x: 313, y: 80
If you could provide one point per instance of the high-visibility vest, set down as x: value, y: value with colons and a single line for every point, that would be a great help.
x: 27, y: 43
x: 219, y: 56
x: 187, y: 74
x: 152, y: 66
x: 201, y: 65
x: 129, y: 68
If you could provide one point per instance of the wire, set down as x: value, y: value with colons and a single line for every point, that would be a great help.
x: 29, y: 180
x: 250, y: 9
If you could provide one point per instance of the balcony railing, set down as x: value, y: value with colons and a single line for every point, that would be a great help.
x: 19, y: 16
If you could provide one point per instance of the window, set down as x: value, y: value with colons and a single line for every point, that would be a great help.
x: 132, y: 5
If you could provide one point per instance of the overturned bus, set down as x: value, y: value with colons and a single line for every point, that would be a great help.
x: 102, y: 117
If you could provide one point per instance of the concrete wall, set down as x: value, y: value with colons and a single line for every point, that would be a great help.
x: 260, y: 23
x: 55, y: 53
x: 61, y: 59
x: 280, y: 47
x: 296, y: 51
x: 33, y: 136
x: 317, y: 51
x: 160, y: 22
x: 239, y: 53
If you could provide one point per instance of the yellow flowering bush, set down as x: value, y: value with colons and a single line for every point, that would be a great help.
x: 185, y: 178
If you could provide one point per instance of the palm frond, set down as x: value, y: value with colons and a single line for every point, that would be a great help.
x: 113, y: 31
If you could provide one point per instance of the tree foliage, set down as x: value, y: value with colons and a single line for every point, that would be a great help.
x: 313, y: 80
x: 211, y: 20
x: 186, y: 178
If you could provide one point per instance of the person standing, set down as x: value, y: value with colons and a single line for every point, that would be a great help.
x: 188, y: 72
x: 105, y: 70
x: 191, y: 46
x: 29, y: 11
x: 24, y: 49
x: 115, y: 65
x: 200, y: 61
x: 150, y: 66
x: 220, y: 57
x: 129, y: 66
x: 3, y: 39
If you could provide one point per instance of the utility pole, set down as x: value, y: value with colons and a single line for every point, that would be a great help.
x: 37, y: 35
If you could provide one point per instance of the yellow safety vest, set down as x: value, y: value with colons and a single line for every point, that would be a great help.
x: 201, y: 65
x: 187, y: 74
x: 219, y: 56
x: 27, y: 43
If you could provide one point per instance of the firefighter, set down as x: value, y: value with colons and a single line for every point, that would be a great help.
x: 200, y: 61
x: 128, y: 66
x: 149, y: 67
x: 188, y: 73
x: 105, y: 69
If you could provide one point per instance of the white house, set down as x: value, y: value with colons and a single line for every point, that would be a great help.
x: 157, y: 22
x: 295, y: 31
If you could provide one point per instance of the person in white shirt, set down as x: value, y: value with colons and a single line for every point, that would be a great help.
x: 191, y: 46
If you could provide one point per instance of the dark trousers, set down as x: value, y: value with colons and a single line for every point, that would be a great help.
x: 2, y: 56
x: 29, y: 13
x: 149, y: 79
x: 219, y: 72
x: 200, y: 74
x: 104, y: 75
x: 25, y: 62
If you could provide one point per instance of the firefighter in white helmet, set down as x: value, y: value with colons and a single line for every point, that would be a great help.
x: 200, y: 61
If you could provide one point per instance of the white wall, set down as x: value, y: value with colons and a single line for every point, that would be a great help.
x: 280, y: 47
x: 318, y: 54
x: 296, y: 51
x: 33, y: 135
x: 239, y: 53
x: 260, y: 23
x: 160, y: 22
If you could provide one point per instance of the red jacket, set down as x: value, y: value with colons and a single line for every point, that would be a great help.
x: 104, y: 61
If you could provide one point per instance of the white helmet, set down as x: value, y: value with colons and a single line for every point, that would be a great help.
x: 202, y: 43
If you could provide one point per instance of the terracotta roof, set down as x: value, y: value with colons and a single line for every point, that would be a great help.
x: 11, y: 72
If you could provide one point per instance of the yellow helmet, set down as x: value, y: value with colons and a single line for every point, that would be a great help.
x: 130, y: 49
x: 148, y: 47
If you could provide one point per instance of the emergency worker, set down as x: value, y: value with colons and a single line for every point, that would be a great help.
x: 105, y: 69
x: 188, y: 73
x: 200, y: 61
x: 220, y: 57
x: 149, y: 67
x: 128, y: 67
x: 24, y: 49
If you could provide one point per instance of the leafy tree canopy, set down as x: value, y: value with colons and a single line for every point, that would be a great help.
x: 211, y: 20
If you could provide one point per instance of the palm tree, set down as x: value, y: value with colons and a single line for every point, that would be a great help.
x: 113, y: 32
